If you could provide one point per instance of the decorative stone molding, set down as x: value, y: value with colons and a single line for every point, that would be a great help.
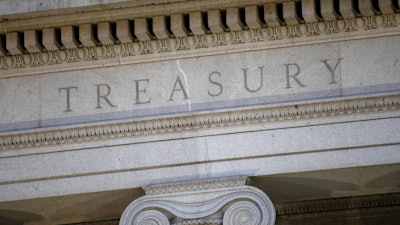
x: 188, y: 34
x: 224, y: 203
x: 104, y: 222
x: 199, y: 121
x: 194, y: 185
x: 349, y: 203
x: 361, y: 203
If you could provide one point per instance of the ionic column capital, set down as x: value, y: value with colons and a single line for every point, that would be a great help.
x: 217, y: 201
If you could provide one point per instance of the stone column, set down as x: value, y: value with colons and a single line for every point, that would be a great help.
x: 227, y: 201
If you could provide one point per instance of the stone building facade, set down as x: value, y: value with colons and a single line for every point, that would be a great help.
x: 200, y: 112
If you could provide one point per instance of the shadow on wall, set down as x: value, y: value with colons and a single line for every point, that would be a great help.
x: 286, y: 189
x: 13, y: 217
x: 388, y: 180
x: 104, y: 207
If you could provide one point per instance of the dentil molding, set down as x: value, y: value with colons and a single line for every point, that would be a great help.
x: 223, y: 28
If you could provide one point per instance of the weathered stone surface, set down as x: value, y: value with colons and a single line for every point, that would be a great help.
x: 290, y: 13
x: 246, y: 30
x: 386, y: 6
x: 86, y: 35
x: 253, y: 19
x: 133, y: 162
x: 50, y: 41
x: 233, y: 19
x: 366, y: 7
x: 13, y: 43
x: 226, y: 96
x: 215, y: 21
x: 309, y: 11
x: 68, y: 39
x: 12, y: 7
x: 160, y: 27
x: 142, y: 31
x: 271, y: 15
x: 178, y: 27
x: 196, y: 23
x: 290, y: 75
x: 364, y: 73
x: 198, y: 84
x: 105, y: 34
x: 32, y: 42
x: 328, y: 10
x: 124, y: 33
x: 347, y: 9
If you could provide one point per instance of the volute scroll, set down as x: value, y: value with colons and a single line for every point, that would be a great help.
x: 201, y: 202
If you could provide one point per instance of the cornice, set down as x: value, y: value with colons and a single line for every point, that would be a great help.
x: 76, y: 13
x: 196, y: 122
x: 205, y: 28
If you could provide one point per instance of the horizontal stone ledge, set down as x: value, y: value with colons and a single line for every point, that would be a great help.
x: 199, y: 151
x: 227, y: 119
x: 249, y: 167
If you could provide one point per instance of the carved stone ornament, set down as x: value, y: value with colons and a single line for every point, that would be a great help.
x: 227, y: 201
x: 70, y: 42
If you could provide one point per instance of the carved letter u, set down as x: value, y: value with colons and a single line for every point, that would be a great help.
x: 246, y: 86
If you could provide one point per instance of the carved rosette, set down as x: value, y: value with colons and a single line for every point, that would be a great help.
x: 219, y: 201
